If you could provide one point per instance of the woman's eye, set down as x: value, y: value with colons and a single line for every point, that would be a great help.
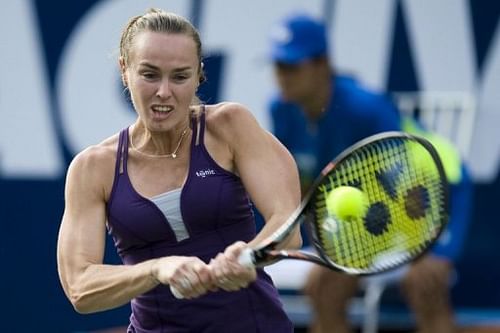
x: 148, y: 75
x: 181, y: 77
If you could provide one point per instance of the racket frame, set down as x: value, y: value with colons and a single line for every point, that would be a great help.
x: 267, y: 253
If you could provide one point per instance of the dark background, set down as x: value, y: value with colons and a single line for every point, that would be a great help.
x: 31, y: 210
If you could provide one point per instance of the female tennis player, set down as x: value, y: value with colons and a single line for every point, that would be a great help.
x: 174, y: 191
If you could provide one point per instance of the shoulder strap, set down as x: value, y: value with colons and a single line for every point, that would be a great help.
x: 122, y: 153
x: 198, y: 125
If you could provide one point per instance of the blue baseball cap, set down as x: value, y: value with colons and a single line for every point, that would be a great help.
x: 297, y: 38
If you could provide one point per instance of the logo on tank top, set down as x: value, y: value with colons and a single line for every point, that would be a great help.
x: 204, y: 173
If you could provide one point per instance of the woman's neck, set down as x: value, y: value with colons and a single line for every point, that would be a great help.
x: 158, y: 144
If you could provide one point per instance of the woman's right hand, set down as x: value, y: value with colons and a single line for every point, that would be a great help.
x: 228, y: 273
x: 190, y: 276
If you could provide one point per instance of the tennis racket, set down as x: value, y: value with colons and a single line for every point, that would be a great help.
x: 404, y: 184
x: 406, y: 191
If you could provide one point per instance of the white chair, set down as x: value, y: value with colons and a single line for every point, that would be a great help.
x: 374, y: 287
x: 450, y: 114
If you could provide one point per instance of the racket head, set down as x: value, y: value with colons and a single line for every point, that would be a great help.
x: 403, y: 180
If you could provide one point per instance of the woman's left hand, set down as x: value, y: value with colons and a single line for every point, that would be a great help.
x: 228, y: 273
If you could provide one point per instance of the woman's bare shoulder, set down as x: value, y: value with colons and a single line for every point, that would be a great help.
x: 99, y: 158
x: 228, y: 118
x: 226, y: 109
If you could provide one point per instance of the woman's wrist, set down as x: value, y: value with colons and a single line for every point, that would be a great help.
x: 153, y: 271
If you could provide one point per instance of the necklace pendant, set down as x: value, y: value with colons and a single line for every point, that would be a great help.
x: 174, y: 155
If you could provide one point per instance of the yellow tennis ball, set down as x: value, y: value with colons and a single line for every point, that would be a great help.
x: 346, y: 202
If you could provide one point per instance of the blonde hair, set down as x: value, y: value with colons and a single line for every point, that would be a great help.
x: 157, y: 20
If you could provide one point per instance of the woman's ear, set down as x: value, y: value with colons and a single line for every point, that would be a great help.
x: 201, y: 76
x: 123, y: 71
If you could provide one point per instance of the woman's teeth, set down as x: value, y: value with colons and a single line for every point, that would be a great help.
x: 162, y: 108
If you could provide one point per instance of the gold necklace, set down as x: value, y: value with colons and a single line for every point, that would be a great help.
x: 170, y: 155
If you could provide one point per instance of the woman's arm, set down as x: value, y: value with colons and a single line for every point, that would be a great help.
x: 89, y: 284
x: 269, y: 175
x: 265, y: 166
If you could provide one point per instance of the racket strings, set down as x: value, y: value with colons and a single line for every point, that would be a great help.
x: 405, y: 195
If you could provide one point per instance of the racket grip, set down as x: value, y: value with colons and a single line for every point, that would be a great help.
x: 177, y: 294
x: 247, y: 258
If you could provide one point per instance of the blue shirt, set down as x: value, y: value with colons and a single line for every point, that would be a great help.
x: 353, y: 114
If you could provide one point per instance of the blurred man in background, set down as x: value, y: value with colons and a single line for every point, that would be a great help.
x: 317, y: 114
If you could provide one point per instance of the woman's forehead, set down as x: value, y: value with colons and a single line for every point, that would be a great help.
x: 161, y: 46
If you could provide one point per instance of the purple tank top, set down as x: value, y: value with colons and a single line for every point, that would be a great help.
x: 217, y: 212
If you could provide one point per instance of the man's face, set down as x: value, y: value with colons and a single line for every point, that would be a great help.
x: 298, y: 81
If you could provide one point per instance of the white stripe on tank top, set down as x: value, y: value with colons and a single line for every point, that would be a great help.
x: 170, y: 205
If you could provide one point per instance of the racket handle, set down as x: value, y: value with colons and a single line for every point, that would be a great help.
x: 177, y: 294
x: 247, y: 258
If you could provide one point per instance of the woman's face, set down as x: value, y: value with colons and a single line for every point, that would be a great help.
x: 162, y: 76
